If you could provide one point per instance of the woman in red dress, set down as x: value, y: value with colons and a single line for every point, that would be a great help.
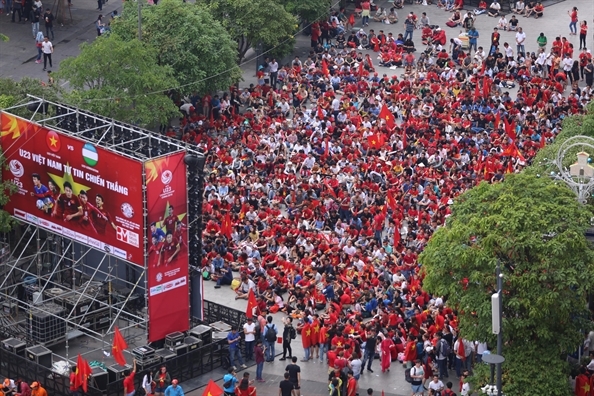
x: 386, y: 346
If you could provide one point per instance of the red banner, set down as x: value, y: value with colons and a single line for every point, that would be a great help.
x: 74, y: 188
x: 167, y: 208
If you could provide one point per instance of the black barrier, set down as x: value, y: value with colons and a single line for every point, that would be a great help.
x: 185, y: 367
x: 214, y: 312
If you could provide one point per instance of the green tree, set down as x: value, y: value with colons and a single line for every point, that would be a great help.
x: 308, y: 10
x: 250, y: 22
x: 187, y: 38
x: 111, y: 76
x: 13, y: 93
x: 535, y: 229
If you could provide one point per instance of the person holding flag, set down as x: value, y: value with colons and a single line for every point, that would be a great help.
x: 129, y: 387
x: 306, y: 339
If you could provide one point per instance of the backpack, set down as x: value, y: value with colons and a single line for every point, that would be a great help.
x: 292, y: 333
x: 444, y: 348
x: 270, y: 335
x: 227, y: 384
x: 407, y: 376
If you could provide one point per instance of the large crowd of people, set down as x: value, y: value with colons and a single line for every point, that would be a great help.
x: 327, y: 178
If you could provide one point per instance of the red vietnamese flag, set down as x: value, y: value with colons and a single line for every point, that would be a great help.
x: 582, y: 385
x: 486, y: 87
x: 543, y: 140
x: 510, y: 129
x: 510, y: 167
x: 325, y: 68
x: 326, y: 148
x: 306, y: 335
x: 477, y: 91
x: 226, y: 228
x: 497, y: 120
x: 118, y: 347
x: 352, y: 20
x: 77, y: 374
x: 361, y: 69
x: 85, y: 373
x: 315, y: 332
x: 251, y: 304
x: 376, y: 140
x: 386, y: 115
x: 212, y: 389
x: 460, y: 352
x: 320, y: 113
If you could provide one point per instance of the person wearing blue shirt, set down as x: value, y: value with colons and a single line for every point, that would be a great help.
x: 231, y: 380
x: 174, y: 389
x: 157, y: 233
x: 234, y: 338
x: 473, y: 36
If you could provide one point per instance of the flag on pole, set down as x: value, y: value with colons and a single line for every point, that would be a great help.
x: 320, y: 113
x: 386, y: 115
x: 212, y: 389
x: 325, y: 68
x: 460, y: 352
x: 118, y: 347
x: 252, y: 303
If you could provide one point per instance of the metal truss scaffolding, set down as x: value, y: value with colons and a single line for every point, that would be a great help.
x: 54, y: 289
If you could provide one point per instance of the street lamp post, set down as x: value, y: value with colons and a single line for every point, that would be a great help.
x: 497, y: 319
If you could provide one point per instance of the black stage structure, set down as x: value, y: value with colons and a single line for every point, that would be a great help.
x: 60, y: 298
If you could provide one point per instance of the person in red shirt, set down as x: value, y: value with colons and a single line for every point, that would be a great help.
x: 100, y: 217
x: 87, y: 210
x: 410, y: 351
x: 169, y: 250
x: 129, y: 387
x: 170, y: 220
x: 74, y: 390
x: 67, y: 205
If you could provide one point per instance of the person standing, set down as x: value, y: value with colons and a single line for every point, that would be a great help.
x: 17, y: 7
x: 442, y: 352
x: 495, y: 37
x: 573, y: 15
x: 294, y: 374
x: 409, y: 24
x: 129, y: 387
x: 369, y: 351
x: 48, y: 49
x: 234, y: 338
x: 34, y: 16
x: 249, y: 330
x: 417, y: 373
x: 386, y: 355
x: 520, y: 39
x: 285, y: 387
x: 148, y: 384
x: 352, y: 385
x: 229, y: 382
x: 583, y: 34
x: 289, y: 334
x: 174, y: 389
x: 259, y: 357
x: 473, y: 36
x: 270, y: 332
x: 74, y: 390
x: 162, y: 381
x: 273, y: 73
x: 589, y: 73
x: 48, y: 19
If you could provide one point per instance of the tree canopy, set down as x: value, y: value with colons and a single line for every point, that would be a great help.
x: 186, y: 37
x: 111, y: 76
x: 250, y: 22
x: 535, y: 228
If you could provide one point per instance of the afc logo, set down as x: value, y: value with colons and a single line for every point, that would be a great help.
x: 127, y: 236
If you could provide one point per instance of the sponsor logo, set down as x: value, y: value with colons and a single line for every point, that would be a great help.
x: 107, y: 248
x: 120, y: 253
x: 52, y: 139
x: 159, y: 277
x: 127, y: 236
x: 16, y: 168
x: 90, y: 155
x: 31, y: 218
x: 166, y: 176
x: 127, y: 210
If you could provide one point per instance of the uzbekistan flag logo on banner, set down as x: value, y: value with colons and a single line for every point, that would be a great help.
x: 90, y: 155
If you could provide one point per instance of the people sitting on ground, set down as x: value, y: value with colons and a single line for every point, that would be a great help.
x: 494, y: 9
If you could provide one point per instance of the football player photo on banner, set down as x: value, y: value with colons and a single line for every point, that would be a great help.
x: 74, y: 188
x: 167, y: 255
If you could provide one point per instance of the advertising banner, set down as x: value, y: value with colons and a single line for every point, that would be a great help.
x: 73, y: 188
x: 167, y: 208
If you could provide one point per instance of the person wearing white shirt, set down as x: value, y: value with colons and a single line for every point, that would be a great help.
x: 520, y: 38
x: 273, y: 65
x: 465, y: 386
x: 567, y: 64
x: 249, y: 329
x: 436, y: 385
x: 502, y: 24
x: 509, y: 52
